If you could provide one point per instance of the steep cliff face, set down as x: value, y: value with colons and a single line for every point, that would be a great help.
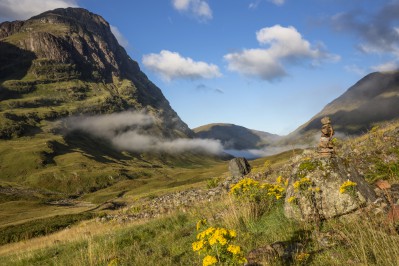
x: 70, y: 59
x: 72, y: 36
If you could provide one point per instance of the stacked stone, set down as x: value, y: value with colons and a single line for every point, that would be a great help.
x: 326, y: 147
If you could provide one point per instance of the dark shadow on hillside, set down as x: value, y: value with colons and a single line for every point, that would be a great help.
x: 232, y: 136
x: 94, y: 148
x: 361, y: 119
x: 14, y: 65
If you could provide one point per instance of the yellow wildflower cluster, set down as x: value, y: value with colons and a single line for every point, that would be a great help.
x: 302, y: 257
x: 274, y: 190
x: 244, y: 185
x: 303, y: 184
x: 347, y: 186
x: 209, y: 260
x: 291, y: 199
x: 254, y: 190
x: 216, y: 244
x: 234, y: 249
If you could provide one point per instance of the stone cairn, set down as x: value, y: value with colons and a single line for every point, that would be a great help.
x: 326, y: 147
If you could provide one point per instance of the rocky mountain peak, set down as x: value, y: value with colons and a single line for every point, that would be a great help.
x: 74, y: 52
x: 72, y: 36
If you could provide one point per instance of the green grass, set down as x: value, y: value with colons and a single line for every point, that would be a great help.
x: 40, y: 227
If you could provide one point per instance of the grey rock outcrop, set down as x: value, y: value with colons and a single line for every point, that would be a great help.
x: 239, y: 167
x: 313, y: 192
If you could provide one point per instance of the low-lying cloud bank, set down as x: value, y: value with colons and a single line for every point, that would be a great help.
x: 258, y: 153
x: 126, y: 131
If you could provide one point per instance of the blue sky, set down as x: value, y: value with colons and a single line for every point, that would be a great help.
x: 268, y: 65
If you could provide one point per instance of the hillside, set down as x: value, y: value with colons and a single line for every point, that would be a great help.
x: 373, y: 99
x: 81, y: 124
x: 235, y: 137
x: 67, y: 62
x: 263, y: 233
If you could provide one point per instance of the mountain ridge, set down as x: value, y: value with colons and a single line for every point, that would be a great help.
x: 236, y: 137
x: 372, y: 99
x: 75, y: 45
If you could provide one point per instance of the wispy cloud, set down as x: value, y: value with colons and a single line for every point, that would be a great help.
x: 255, y: 4
x: 171, y: 65
x: 129, y: 131
x: 386, y: 67
x: 277, y: 2
x: 24, y: 9
x: 285, y: 46
x: 378, y: 30
x: 119, y: 36
x: 203, y: 87
x: 200, y: 9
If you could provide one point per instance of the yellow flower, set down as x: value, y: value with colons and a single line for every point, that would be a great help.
x: 234, y: 249
x: 198, y: 245
x: 291, y: 199
x: 233, y: 233
x: 209, y: 260
x: 205, y: 233
x: 242, y: 260
x: 279, y: 179
x: 302, y: 184
x: 347, y: 185
x: 302, y: 257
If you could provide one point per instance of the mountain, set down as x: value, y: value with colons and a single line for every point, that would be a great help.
x: 235, y: 137
x: 373, y: 99
x: 67, y: 62
x: 63, y: 79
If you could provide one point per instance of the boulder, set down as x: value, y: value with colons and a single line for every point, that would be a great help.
x: 315, y: 189
x: 239, y: 167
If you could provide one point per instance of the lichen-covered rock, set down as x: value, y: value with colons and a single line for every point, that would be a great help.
x: 239, y: 167
x: 322, y: 188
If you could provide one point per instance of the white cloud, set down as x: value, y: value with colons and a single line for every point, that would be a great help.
x: 386, y: 67
x: 118, y: 35
x: 24, y: 9
x: 278, y: 2
x: 199, y: 8
x: 256, y: 3
x: 127, y: 131
x: 181, y: 5
x: 133, y: 141
x: 171, y: 65
x: 285, y: 45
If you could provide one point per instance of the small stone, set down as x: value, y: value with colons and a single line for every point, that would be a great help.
x: 393, y: 214
x: 383, y: 184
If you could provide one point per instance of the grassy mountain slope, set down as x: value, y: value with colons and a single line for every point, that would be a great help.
x: 235, y: 137
x: 63, y: 63
x: 373, y: 99
x: 362, y: 238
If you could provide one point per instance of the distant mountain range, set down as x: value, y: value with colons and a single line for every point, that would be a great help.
x: 236, y: 137
x: 373, y: 99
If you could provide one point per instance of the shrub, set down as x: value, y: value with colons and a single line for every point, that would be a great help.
x: 215, y: 245
x: 259, y: 197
